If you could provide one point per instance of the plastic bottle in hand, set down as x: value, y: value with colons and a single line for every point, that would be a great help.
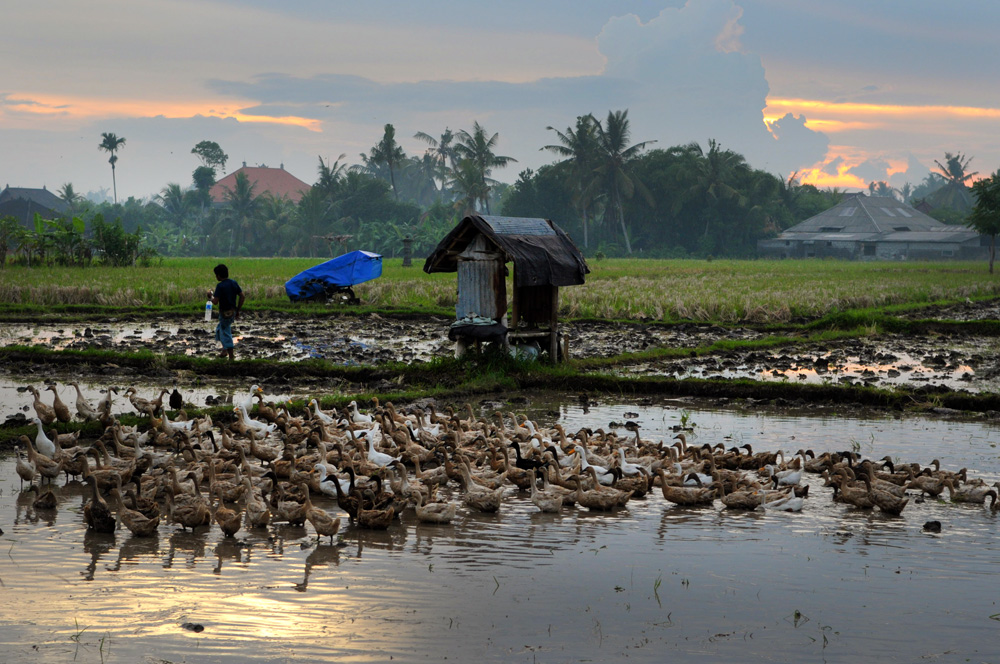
x: 208, y: 310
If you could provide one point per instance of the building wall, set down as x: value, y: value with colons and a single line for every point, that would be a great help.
x: 880, y: 251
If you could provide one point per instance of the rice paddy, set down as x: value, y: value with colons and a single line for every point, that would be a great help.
x: 726, y: 292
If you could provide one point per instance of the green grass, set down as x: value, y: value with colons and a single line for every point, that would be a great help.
x: 720, y: 291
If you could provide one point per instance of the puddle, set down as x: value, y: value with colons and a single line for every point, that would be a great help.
x: 828, y: 584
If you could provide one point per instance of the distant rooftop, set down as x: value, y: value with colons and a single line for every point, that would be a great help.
x: 275, y: 181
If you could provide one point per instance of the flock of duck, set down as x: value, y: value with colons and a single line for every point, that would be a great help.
x: 267, y: 463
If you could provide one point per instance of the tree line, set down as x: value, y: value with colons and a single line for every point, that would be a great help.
x: 613, y: 195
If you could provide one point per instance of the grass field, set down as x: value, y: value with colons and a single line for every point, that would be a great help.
x: 663, y: 290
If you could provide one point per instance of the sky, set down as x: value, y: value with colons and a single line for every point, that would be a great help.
x: 842, y: 92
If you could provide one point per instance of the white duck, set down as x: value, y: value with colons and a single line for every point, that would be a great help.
x: 326, y: 481
x: 43, y: 443
x: 631, y: 469
x: 247, y: 403
x: 785, y: 477
x: 257, y: 426
x: 604, y: 476
x: 320, y: 415
x: 356, y: 416
x: 378, y: 458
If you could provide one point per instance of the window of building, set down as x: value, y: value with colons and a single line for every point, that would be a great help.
x: 869, y: 249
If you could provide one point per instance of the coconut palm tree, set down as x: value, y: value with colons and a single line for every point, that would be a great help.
x: 386, y: 153
x: 615, y: 166
x: 112, y: 144
x: 442, y: 151
x: 477, y: 148
x: 581, y: 149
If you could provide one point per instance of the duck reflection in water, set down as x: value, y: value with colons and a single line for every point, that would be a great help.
x: 96, y: 544
x: 190, y: 544
x: 322, y: 555
x: 228, y: 549
x: 135, y: 548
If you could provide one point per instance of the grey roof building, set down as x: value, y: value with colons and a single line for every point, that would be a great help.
x: 22, y: 203
x: 864, y: 227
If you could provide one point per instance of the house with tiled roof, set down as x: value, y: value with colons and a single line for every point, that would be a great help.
x: 23, y: 203
x: 864, y: 227
x: 275, y: 181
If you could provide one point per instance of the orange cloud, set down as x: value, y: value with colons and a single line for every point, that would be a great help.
x: 85, y: 107
x: 778, y: 107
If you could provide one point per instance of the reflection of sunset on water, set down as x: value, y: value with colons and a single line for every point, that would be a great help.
x: 518, y: 585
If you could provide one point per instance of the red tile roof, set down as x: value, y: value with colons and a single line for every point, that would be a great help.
x: 276, y: 181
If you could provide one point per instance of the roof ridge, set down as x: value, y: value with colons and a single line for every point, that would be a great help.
x: 870, y: 217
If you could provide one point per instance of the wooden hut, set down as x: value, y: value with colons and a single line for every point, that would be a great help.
x: 544, y: 259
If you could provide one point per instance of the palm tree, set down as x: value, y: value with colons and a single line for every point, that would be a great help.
x: 176, y: 202
x: 242, y: 204
x: 388, y: 153
x: 954, y: 194
x: 615, y: 163
x: 581, y: 149
x: 716, y: 172
x: 441, y: 151
x: 331, y: 176
x: 467, y: 183
x: 111, y: 143
x: 882, y: 188
x: 477, y: 149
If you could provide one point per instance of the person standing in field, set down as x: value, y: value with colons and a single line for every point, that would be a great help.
x: 228, y: 299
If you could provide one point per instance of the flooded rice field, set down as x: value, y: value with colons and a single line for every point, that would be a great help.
x: 959, y: 363
x: 649, y: 582
x: 955, y: 362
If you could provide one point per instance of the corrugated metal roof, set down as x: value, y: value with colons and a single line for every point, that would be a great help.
x: 541, y: 256
x: 867, y: 214
x: 519, y: 226
x: 956, y: 235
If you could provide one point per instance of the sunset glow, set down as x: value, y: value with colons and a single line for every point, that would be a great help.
x: 85, y: 108
x: 778, y: 107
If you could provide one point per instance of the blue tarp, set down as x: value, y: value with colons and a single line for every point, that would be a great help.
x: 336, y: 274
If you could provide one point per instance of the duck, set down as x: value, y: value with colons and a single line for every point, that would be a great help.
x: 96, y: 513
x: 886, y: 501
x: 596, y: 499
x: 230, y: 521
x: 43, y: 444
x: 43, y: 464
x: 45, y: 412
x: 249, y: 423
x: 785, y: 503
x: 687, y: 496
x: 25, y: 469
x: 546, y: 501
x: 320, y: 415
x: 434, y: 512
x: 83, y: 407
x: 258, y: 513
x: 327, y: 481
x: 140, y: 404
x: 188, y: 510
x: 970, y: 493
x: 356, y: 416
x: 324, y: 524
x: 369, y: 516
x: 380, y: 459
x: 104, y: 406
x: 789, y: 477
x: 60, y: 408
x: 479, y: 497
x: 138, y: 523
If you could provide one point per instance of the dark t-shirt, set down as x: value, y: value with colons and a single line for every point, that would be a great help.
x: 226, y: 291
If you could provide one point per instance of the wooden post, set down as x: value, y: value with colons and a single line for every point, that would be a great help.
x: 554, y: 326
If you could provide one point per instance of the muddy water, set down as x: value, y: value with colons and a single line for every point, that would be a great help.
x: 649, y: 583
